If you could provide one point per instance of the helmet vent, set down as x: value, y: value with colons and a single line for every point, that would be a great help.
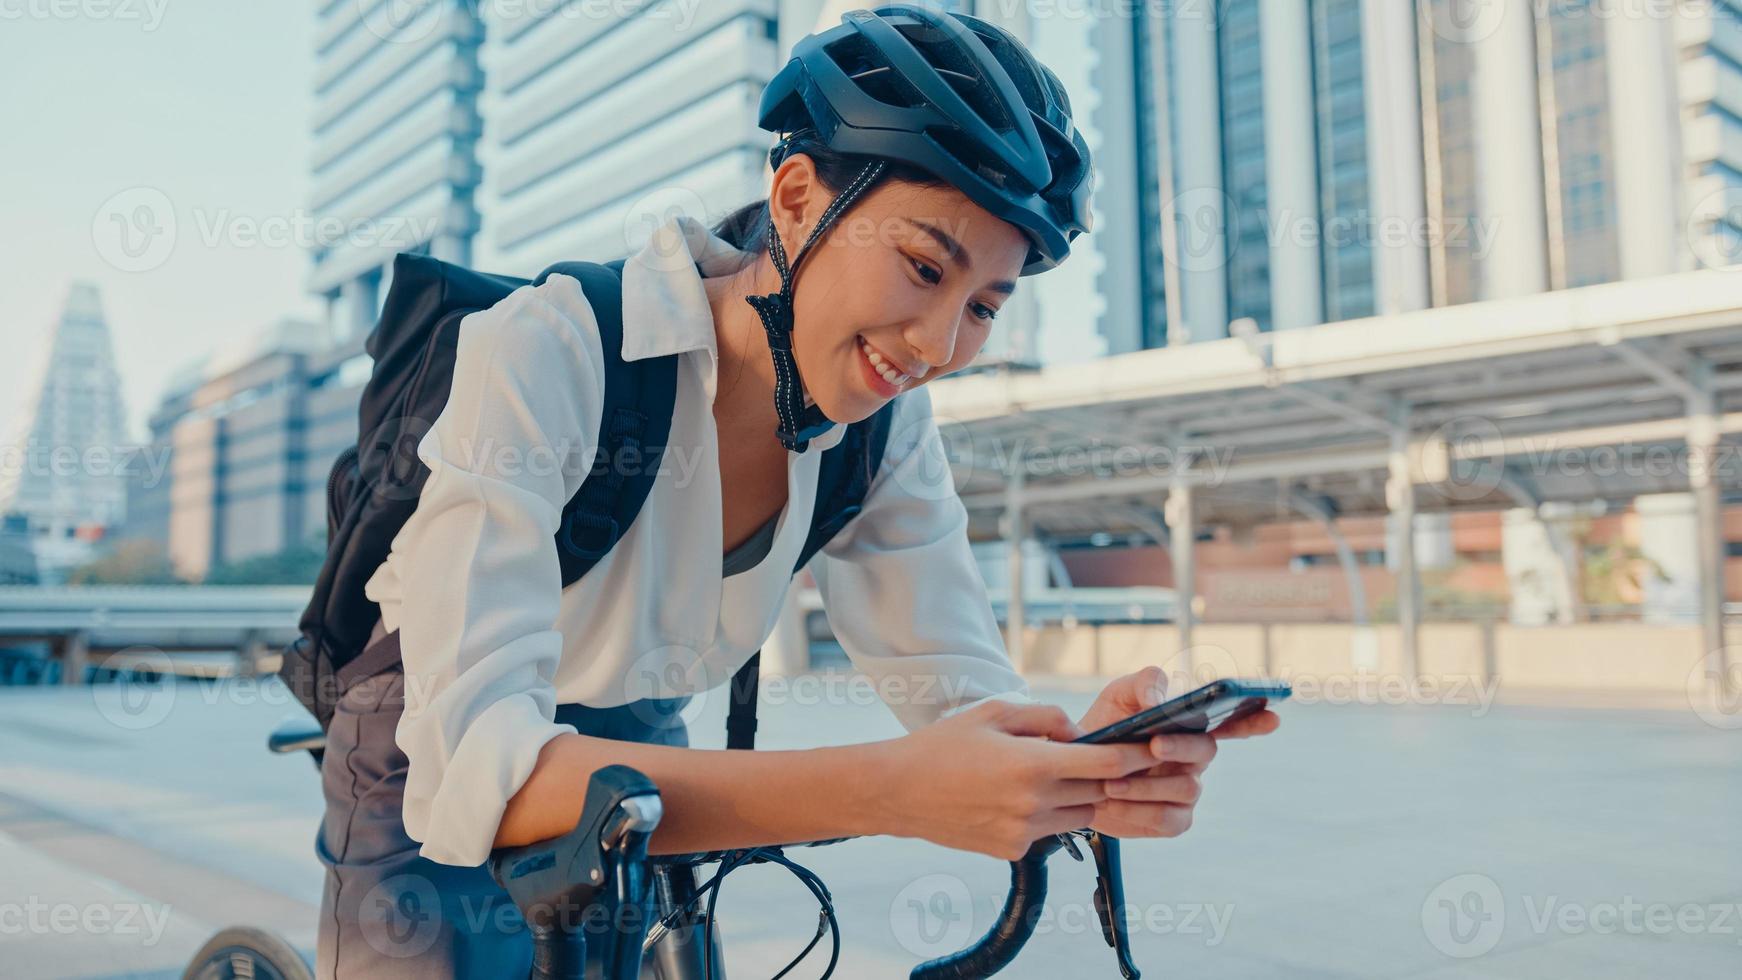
x: 959, y: 68
x: 859, y: 60
x: 953, y: 143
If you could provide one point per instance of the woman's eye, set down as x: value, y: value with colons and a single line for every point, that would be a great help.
x: 933, y: 277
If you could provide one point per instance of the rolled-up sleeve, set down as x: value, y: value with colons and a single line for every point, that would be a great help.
x: 902, y: 591
x: 480, y: 580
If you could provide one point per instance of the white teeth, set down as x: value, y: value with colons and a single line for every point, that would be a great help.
x: 889, y: 373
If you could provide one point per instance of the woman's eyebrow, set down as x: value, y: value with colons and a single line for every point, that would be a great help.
x: 957, y: 253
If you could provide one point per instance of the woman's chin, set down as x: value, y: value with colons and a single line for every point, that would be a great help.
x: 846, y: 411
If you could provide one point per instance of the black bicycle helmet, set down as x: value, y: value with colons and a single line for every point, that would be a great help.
x: 951, y: 94
x: 954, y: 95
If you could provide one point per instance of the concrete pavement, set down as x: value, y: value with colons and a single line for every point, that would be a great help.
x: 1360, y: 841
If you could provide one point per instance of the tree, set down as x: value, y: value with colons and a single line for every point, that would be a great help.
x: 297, y: 565
x: 133, y: 561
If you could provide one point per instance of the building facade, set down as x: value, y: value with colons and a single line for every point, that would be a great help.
x: 1328, y: 160
x: 396, y: 127
x: 246, y: 449
x: 599, y: 125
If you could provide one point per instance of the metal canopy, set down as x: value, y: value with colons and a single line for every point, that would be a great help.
x: 1571, y: 396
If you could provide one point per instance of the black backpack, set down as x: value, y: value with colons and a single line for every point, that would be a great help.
x: 373, y: 487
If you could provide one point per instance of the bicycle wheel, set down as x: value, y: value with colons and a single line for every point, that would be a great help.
x: 247, y: 953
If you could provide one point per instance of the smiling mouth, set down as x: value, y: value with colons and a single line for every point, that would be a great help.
x: 883, y: 368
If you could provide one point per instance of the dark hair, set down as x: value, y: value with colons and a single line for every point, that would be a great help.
x: 747, y: 227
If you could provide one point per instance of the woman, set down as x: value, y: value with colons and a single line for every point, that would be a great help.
x: 944, y: 167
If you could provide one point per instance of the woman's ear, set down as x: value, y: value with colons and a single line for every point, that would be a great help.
x: 795, y: 201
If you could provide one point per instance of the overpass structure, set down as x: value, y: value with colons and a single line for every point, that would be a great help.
x: 1492, y: 405
x: 85, y: 625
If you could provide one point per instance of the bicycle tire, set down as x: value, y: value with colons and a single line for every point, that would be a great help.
x: 247, y: 953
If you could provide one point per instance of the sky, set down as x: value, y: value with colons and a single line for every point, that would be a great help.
x: 160, y: 149
x: 191, y: 113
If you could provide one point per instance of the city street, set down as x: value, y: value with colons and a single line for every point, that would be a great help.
x: 1360, y: 841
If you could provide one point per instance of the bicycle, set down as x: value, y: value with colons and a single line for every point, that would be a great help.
x: 593, y: 885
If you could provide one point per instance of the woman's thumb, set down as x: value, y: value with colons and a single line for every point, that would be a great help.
x: 1145, y: 688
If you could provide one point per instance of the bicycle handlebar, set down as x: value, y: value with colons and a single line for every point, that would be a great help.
x: 603, y: 863
x: 1017, y: 920
x: 995, y: 950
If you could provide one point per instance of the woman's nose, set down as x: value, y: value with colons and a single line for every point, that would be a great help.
x: 934, y: 340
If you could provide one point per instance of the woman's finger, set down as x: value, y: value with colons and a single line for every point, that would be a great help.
x: 1180, y: 788
x: 1109, y: 761
x: 1076, y: 792
x: 1044, y: 720
x: 1059, y: 820
x: 1183, y: 747
x: 1143, y: 819
x: 1259, y: 723
x: 1175, y: 769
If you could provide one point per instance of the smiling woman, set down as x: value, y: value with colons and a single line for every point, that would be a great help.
x: 944, y: 151
x: 926, y: 163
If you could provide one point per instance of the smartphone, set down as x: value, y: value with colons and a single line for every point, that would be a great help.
x: 1196, y: 711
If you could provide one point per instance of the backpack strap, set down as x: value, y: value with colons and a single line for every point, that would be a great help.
x: 633, y: 429
x: 741, y: 715
x: 843, y: 479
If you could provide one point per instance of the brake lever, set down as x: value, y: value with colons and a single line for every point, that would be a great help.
x: 600, y: 865
x: 1110, y: 899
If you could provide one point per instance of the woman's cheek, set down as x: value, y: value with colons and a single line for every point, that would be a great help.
x: 968, y: 347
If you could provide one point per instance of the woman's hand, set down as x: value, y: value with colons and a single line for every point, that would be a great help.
x: 1158, y: 802
x: 996, y: 778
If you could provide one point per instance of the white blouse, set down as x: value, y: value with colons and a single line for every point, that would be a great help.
x: 492, y: 642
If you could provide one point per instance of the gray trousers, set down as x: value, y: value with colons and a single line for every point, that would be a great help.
x: 387, y: 912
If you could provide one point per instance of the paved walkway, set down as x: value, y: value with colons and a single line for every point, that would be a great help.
x: 1361, y: 841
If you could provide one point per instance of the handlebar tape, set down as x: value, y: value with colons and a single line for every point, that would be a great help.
x: 1015, y: 925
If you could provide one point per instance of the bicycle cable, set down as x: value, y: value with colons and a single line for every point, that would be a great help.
x: 825, y: 915
x: 773, y: 855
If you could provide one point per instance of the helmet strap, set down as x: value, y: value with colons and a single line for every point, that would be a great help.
x: 799, y: 422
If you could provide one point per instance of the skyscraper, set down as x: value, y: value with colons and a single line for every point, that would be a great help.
x: 395, y: 129
x: 64, y: 472
x: 1333, y: 159
x: 601, y: 123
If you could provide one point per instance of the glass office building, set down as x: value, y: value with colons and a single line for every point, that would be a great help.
x: 1334, y: 159
x: 394, y: 162
x: 600, y: 123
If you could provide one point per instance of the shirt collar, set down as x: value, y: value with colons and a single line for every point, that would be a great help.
x: 665, y: 306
